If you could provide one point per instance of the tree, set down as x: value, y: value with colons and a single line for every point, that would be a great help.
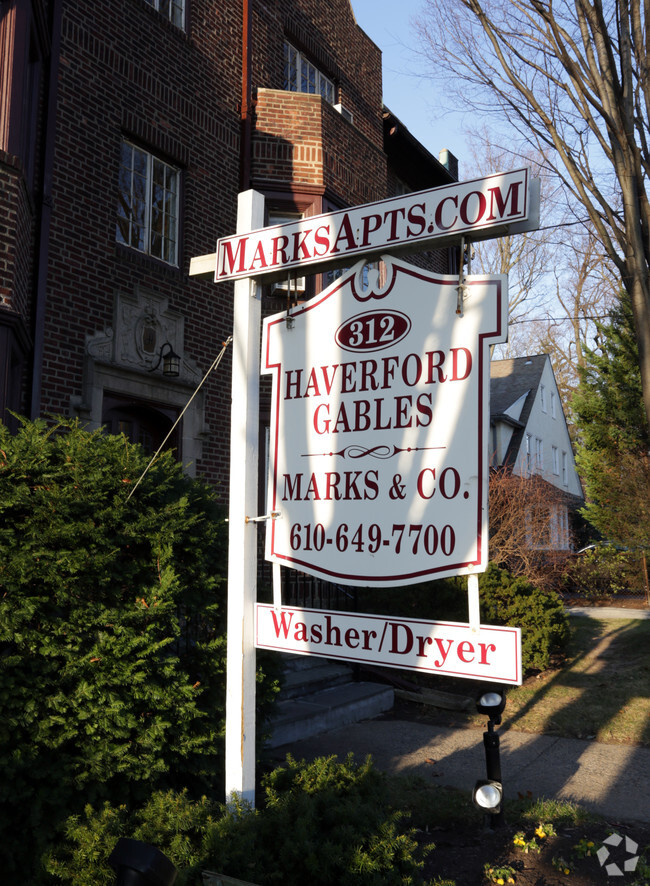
x: 573, y: 79
x: 525, y: 258
x: 523, y: 514
x: 613, y: 444
x: 112, y: 624
x: 585, y: 292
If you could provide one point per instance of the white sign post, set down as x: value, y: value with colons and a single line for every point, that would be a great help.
x: 379, y: 426
x: 242, y: 535
x: 390, y: 389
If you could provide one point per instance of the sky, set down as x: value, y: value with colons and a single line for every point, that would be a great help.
x: 409, y: 95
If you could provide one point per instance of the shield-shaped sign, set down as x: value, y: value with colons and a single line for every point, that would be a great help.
x: 378, y: 464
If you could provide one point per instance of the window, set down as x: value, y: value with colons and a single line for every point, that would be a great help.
x: 542, y: 397
x: 556, y: 461
x: 529, y: 454
x: 301, y: 76
x: 553, y: 405
x: 539, y: 454
x: 559, y: 527
x: 174, y: 10
x: 147, y: 212
x: 565, y: 469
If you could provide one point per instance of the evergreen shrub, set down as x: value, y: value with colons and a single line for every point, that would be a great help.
x: 506, y: 600
x: 320, y: 823
x: 112, y: 632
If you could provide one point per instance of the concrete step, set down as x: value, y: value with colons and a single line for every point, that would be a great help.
x: 309, y: 715
x: 311, y: 675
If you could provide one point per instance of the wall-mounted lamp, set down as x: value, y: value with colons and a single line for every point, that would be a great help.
x: 171, y: 362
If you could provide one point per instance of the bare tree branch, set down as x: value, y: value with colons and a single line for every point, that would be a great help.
x: 572, y: 78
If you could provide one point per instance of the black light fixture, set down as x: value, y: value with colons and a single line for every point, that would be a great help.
x: 170, y: 360
x: 139, y: 864
x: 487, y: 796
x: 491, y: 702
x: 488, y: 793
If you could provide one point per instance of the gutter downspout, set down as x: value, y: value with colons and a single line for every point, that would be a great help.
x: 246, y: 137
x: 46, y: 214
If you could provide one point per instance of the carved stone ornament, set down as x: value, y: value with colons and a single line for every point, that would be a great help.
x: 143, y: 323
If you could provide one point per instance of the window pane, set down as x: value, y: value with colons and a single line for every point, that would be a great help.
x: 178, y: 14
x: 327, y: 89
x: 290, y: 68
x: 308, y: 78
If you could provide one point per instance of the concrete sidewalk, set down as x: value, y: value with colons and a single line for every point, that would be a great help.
x: 607, y: 612
x: 608, y: 779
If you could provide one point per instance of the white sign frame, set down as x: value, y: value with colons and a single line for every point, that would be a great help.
x: 491, y: 654
x: 413, y: 496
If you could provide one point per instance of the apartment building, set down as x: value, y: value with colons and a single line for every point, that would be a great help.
x: 126, y: 132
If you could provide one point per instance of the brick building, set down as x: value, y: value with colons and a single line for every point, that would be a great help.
x: 126, y: 131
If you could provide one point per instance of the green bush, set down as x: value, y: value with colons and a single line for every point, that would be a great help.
x: 170, y: 821
x: 603, y: 571
x: 506, y: 600
x: 320, y: 823
x: 112, y: 632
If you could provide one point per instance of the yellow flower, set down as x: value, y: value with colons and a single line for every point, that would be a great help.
x: 500, y: 881
x: 567, y: 871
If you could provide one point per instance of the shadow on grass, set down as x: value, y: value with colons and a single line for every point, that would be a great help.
x: 602, y: 691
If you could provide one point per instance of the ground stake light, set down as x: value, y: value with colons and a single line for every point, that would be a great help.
x: 488, y: 795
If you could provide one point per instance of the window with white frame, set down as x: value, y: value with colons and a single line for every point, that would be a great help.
x: 529, y: 454
x: 565, y: 469
x: 300, y: 75
x: 553, y: 405
x: 539, y: 454
x: 174, y: 10
x: 559, y: 527
x: 556, y: 461
x: 147, y: 211
x: 542, y: 397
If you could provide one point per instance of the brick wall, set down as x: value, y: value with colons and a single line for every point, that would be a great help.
x: 127, y: 72
x: 17, y: 238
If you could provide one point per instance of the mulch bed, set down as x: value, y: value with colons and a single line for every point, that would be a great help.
x: 461, y: 856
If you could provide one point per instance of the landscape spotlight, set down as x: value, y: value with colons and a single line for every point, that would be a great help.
x: 491, y: 702
x: 138, y: 864
x: 487, y: 796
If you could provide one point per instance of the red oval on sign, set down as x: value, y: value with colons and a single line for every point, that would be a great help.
x: 373, y: 331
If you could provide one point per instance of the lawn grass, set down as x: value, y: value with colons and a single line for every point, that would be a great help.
x: 601, y: 692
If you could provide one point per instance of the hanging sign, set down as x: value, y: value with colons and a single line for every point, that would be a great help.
x: 496, y: 205
x: 492, y: 653
x: 379, y: 421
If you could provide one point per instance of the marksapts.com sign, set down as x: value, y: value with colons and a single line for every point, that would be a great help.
x: 502, y: 203
x: 379, y: 423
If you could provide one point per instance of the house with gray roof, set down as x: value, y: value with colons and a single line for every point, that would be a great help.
x: 529, y: 435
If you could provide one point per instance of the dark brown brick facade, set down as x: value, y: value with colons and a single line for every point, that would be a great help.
x: 124, y: 71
